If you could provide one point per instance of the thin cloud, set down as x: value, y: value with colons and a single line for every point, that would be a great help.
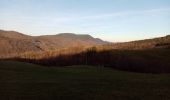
x: 107, y: 16
x: 74, y: 17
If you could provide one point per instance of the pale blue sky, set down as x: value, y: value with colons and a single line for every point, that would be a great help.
x: 112, y: 20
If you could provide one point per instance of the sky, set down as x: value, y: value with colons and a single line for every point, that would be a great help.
x: 111, y: 20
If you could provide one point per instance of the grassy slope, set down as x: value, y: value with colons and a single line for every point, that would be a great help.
x: 21, y: 81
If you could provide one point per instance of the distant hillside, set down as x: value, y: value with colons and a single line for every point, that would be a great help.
x: 150, y: 55
x: 13, y: 43
x: 160, y: 42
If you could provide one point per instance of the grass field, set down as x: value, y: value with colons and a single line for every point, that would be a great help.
x: 22, y: 81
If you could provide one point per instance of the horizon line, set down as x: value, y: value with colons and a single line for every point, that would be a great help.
x: 83, y: 34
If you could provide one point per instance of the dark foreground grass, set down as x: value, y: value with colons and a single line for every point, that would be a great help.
x: 21, y: 81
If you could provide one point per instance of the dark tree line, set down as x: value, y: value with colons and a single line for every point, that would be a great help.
x: 147, y: 61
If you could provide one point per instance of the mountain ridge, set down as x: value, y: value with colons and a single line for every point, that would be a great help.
x: 13, y: 42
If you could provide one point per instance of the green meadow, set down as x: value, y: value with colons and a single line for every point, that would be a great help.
x: 23, y: 81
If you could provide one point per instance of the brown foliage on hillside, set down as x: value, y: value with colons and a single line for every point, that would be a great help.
x: 151, y: 55
x: 161, y: 42
x: 14, y: 43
